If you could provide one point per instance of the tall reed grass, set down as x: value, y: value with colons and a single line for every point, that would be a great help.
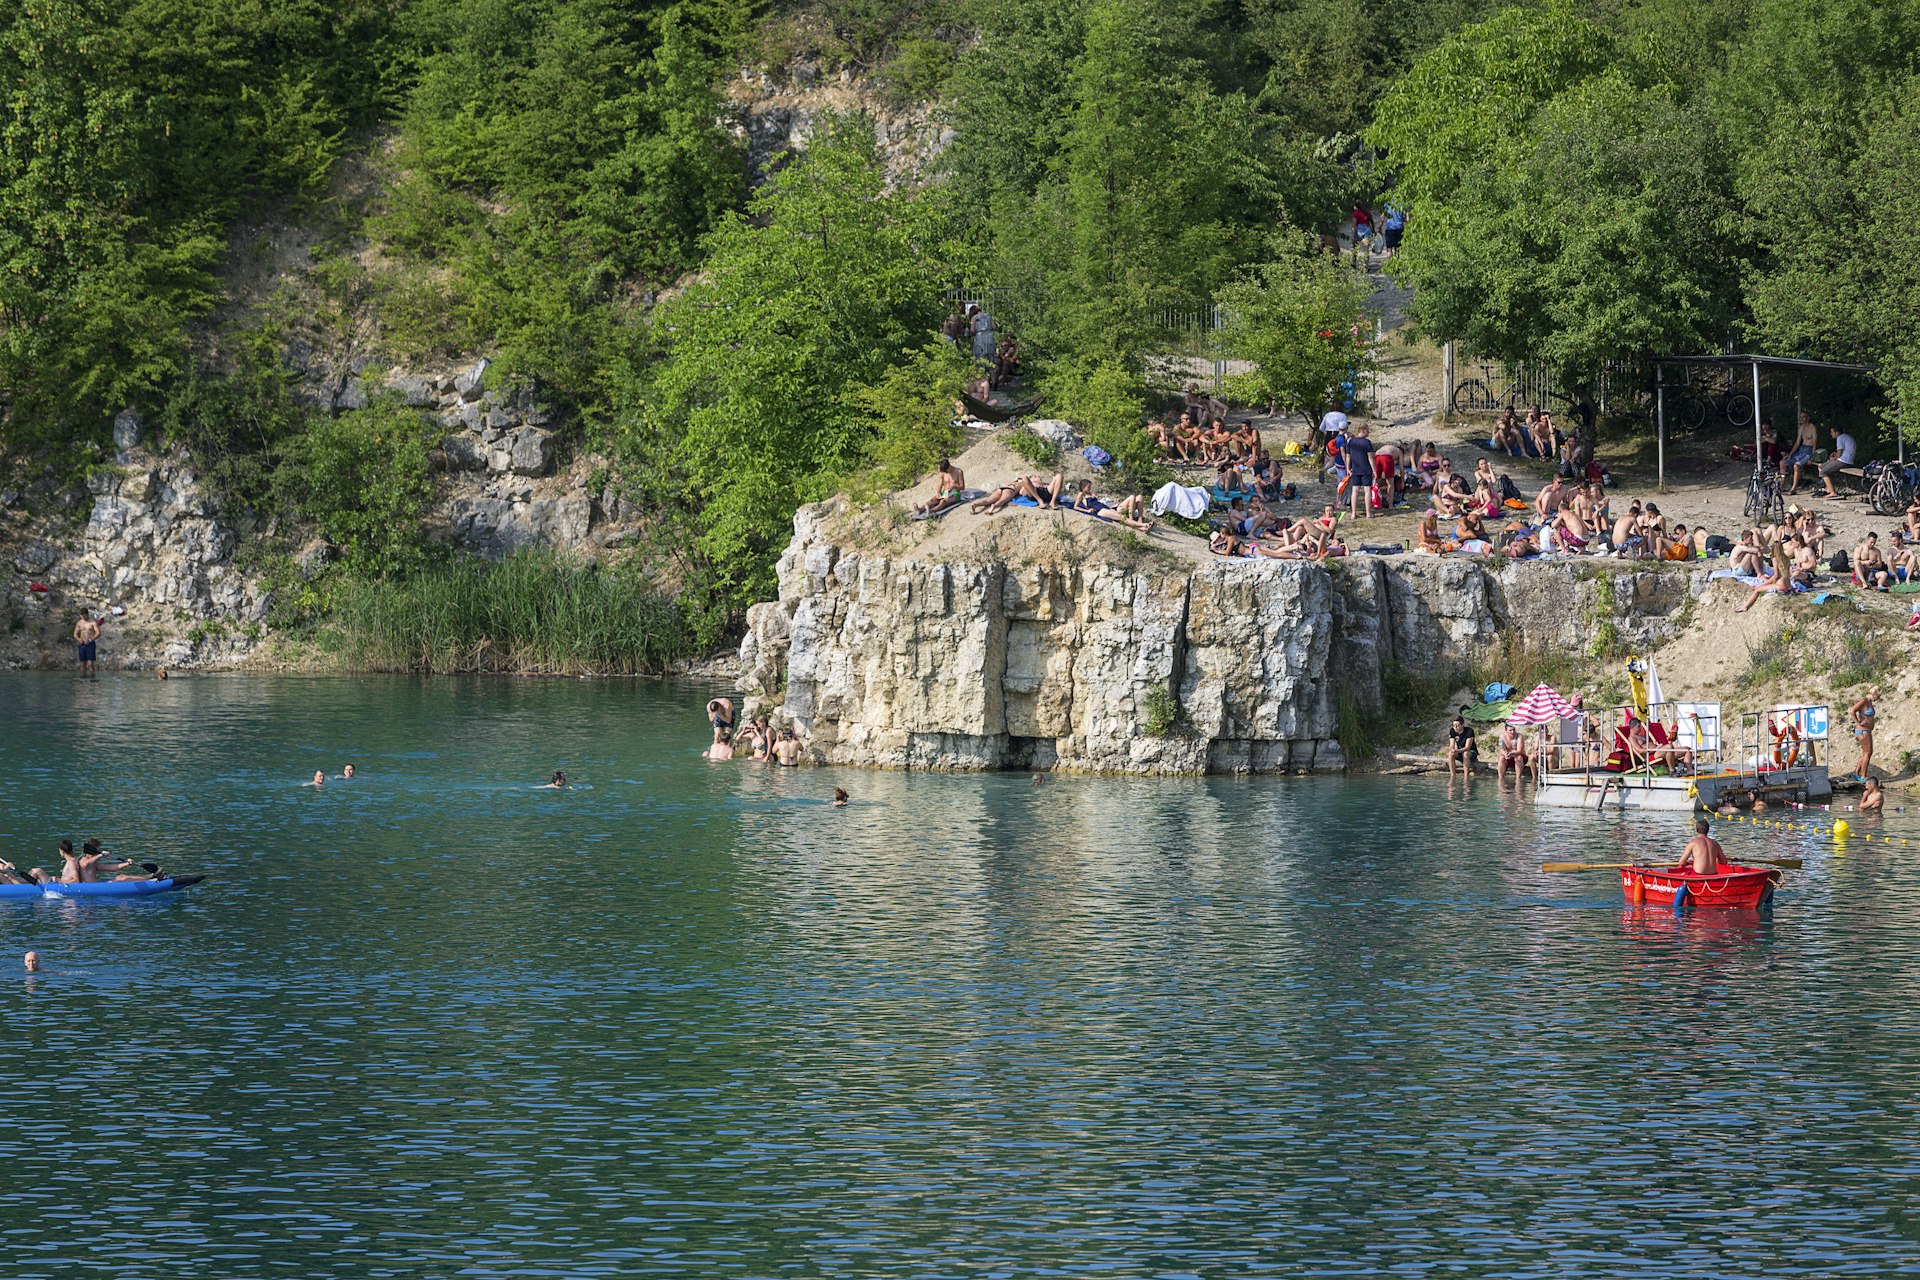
x: 534, y: 612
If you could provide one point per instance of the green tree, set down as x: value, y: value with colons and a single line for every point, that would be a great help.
x: 829, y: 280
x: 362, y: 480
x: 1301, y: 320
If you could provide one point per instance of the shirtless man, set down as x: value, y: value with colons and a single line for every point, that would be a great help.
x: 1547, y: 504
x: 1513, y: 754
x: 319, y: 779
x: 1570, y: 528
x: 86, y: 640
x: 1627, y: 539
x: 787, y: 750
x: 1870, y: 566
x: 1246, y: 440
x: 1215, y: 442
x: 722, y: 748
x: 1703, y: 852
x: 948, y: 484
x: 1802, y: 455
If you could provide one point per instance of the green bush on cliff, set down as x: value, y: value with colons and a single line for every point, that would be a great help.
x: 362, y: 480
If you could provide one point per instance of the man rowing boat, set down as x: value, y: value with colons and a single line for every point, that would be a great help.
x: 1703, y: 855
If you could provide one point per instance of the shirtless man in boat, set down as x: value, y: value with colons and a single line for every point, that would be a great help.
x: 1703, y: 853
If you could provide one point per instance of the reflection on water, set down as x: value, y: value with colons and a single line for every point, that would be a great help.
x: 689, y: 1020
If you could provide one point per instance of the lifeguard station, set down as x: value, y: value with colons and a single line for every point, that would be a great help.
x: 1678, y: 757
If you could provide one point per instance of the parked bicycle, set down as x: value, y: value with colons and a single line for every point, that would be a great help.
x: 1689, y: 407
x: 1766, y: 501
x: 1476, y: 395
x: 1891, y: 487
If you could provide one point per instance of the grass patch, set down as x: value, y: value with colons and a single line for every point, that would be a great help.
x: 1860, y: 658
x: 1513, y: 661
x: 534, y: 612
x: 1773, y: 658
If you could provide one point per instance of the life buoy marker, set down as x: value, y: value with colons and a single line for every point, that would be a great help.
x: 1784, y: 733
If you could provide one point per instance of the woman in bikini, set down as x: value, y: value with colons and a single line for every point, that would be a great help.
x: 1128, y: 511
x: 1863, y: 713
x: 1430, y: 539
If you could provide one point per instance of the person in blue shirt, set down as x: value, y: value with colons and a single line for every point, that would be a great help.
x: 1392, y: 228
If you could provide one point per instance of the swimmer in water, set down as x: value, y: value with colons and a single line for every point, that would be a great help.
x: 33, y: 961
x: 559, y: 781
x: 347, y: 772
x: 840, y: 797
x: 319, y: 779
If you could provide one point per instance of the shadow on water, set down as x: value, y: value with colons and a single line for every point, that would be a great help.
x: 689, y: 1020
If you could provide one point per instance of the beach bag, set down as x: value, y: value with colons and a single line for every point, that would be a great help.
x: 1509, y: 491
x: 1840, y: 563
x: 1496, y: 692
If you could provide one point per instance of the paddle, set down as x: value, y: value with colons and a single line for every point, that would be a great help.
x: 1791, y: 864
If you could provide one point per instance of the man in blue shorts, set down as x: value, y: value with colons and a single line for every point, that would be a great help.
x: 86, y: 640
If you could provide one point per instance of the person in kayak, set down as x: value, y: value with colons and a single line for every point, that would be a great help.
x: 1703, y: 856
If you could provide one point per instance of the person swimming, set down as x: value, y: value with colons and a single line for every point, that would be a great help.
x: 347, y: 772
x: 319, y: 779
x: 33, y: 961
x: 840, y: 797
x: 559, y: 781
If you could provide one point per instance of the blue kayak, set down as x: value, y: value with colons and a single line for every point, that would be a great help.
x: 102, y: 889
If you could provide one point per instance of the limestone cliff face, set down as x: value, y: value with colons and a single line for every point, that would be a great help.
x: 910, y: 663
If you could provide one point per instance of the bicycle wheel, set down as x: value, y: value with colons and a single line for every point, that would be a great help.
x: 1472, y: 396
x: 1739, y: 409
x: 1690, y: 412
x: 1888, y: 496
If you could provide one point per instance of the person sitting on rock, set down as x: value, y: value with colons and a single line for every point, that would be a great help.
x: 949, y: 482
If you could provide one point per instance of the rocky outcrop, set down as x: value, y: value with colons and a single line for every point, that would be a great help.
x: 1222, y: 666
x: 773, y: 112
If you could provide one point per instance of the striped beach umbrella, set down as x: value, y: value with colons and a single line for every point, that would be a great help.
x: 1542, y: 706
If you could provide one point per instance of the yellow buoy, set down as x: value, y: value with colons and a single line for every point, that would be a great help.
x: 1841, y: 829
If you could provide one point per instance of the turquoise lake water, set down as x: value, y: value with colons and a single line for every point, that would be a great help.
x: 689, y: 1020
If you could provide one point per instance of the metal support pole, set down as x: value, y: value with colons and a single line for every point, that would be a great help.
x: 1660, y: 424
x: 1756, y: 413
x: 1446, y: 379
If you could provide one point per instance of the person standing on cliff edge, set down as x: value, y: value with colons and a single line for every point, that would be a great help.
x: 86, y: 640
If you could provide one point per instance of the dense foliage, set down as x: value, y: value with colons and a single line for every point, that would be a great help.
x: 1585, y: 179
x: 1584, y: 185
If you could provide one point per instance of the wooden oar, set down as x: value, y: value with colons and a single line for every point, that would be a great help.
x: 1791, y: 864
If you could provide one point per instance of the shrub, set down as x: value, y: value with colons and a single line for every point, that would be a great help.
x: 534, y: 611
x: 1038, y: 450
x: 1160, y: 712
x: 362, y: 480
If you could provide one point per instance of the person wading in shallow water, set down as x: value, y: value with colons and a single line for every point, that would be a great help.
x: 86, y: 641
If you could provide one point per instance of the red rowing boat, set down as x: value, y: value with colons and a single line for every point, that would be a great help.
x: 1737, y: 886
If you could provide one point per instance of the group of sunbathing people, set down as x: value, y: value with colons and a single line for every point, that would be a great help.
x: 1048, y: 492
x: 90, y: 866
